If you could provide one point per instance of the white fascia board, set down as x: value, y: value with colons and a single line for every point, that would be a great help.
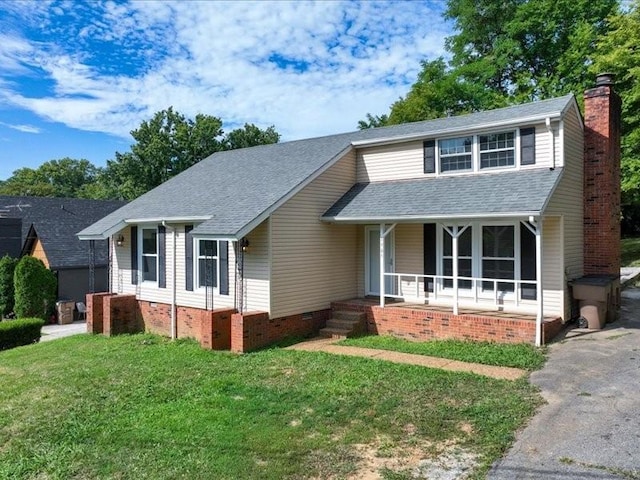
x: 105, y: 234
x: 195, y: 218
x: 452, y: 131
x: 208, y: 236
x: 244, y: 231
x: 422, y: 219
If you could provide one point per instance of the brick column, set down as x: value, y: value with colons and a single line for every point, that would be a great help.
x: 602, y: 108
x: 95, y: 315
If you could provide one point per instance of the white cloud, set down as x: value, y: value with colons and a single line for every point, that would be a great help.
x: 218, y: 58
x: 22, y: 128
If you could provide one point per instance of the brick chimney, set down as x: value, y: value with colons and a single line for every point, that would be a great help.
x: 602, y: 108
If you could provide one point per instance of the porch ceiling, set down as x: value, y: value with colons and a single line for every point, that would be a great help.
x: 504, y: 194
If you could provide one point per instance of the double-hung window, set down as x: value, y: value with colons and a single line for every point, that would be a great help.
x: 149, y: 254
x: 497, y: 150
x: 456, y: 154
x: 207, y: 263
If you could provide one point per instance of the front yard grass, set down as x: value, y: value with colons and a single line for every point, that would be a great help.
x: 521, y: 355
x: 630, y: 252
x: 140, y: 406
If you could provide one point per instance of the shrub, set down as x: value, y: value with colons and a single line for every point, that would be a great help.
x: 7, y: 268
x: 35, y: 289
x: 14, y: 333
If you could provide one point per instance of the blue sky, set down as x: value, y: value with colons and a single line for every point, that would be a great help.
x: 77, y: 77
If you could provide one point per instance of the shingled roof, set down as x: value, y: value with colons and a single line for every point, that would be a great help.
x: 232, y: 192
x: 56, y: 221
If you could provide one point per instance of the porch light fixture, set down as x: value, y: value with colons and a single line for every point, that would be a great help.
x: 120, y: 240
x: 244, y: 244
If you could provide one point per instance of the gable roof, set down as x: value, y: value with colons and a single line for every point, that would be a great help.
x: 231, y: 192
x: 516, y: 193
x: 56, y: 221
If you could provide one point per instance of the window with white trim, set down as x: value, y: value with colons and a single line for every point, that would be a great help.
x: 465, y: 256
x: 455, y: 154
x: 498, y: 256
x: 149, y: 254
x: 207, y: 263
x: 497, y: 150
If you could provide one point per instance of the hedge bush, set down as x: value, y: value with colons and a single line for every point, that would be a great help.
x: 35, y: 289
x: 7, y: 269
x: 24, y: 331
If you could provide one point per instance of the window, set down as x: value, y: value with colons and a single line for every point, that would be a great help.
x: 456, y: 154
x: 149, y: 255
x: 207, y: 263
x: 497, y: 150
x: 498, y: 255
x: 465, y: 257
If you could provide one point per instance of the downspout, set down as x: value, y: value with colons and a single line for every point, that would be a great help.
x: 174, y: 330
x: 553, y: 142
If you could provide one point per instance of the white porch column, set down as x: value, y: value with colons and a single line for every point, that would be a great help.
x: 540, y: 312
x: 454, y: 248
x: 383, y: 233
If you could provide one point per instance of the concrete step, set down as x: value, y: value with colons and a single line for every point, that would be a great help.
x: 345, y: 324
x: 349, y: 315
x: 329, y: 332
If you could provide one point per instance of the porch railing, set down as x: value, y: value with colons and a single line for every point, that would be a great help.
x: 499, y: 291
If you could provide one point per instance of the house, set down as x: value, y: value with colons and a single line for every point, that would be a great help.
x: 464, y: 227
x: 46, y: 228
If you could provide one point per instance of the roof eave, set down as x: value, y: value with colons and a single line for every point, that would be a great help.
x: 423, y: 219
x: 451, y: 131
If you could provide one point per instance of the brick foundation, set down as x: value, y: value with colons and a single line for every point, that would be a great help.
x: 421, y: 324
x: 252, y: 330
x: 112, y: 314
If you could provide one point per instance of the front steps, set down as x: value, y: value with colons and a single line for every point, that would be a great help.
x: 344, y: 323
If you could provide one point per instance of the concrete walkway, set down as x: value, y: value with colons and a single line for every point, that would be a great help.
x: 328, y: 345
x: 590, y: 427
x: 51, y: 332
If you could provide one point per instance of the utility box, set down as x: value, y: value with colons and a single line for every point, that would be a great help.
x: 598, y: 298
x: 65, y: 311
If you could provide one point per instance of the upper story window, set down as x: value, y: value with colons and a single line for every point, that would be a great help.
x: 497, y: 150
x: 149, y: 254
x: 456, y: 154
x: 473, y: 153
x: 207, y: 263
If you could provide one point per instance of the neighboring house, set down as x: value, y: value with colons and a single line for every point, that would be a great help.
x: 48, y: 232
x: 481, y: 219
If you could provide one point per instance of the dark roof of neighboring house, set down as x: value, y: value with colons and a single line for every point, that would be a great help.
x: 507, y: 193
x: 232, y: 192
x: 56, y: 221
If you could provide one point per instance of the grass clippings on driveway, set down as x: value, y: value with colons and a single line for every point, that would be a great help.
x: 520, y: 355
x: 136, y: 407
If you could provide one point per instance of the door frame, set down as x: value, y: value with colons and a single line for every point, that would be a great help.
x: 390, y: 241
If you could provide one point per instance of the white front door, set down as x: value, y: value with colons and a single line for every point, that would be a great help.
x: 372, y: 261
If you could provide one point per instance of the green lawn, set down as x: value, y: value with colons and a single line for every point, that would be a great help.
x: 631, y: 252
x: 523, y: 356
x: 135, y: 407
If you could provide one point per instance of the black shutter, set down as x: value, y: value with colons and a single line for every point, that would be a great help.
x: 188, y: 257
x: 223, y: 252
x: 430, y: 156
x: 429, y: 254
x: 527, y: 146
x: 162, y: 256
x: 134, y: 255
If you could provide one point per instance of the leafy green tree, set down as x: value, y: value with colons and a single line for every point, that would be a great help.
x: 166, y: 145
x: 250, y: 136
x: 66, y: 177
x: 618, y: 52
x: 373, y: 121
x: 7, y: 270
x: 35, y: 289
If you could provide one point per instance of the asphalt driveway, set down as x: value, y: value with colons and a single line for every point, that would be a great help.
x: 590, y: 427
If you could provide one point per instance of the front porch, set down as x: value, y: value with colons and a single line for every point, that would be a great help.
x: 421, y: 322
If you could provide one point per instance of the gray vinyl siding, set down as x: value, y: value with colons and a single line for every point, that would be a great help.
x: 568, y: 201
x: 406, y: 160
x: 313, y: 263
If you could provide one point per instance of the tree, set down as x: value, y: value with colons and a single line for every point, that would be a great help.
x: 168, y: 144
x: 250, y: 136
x: 66, y: 177
x: 507, y: 52
x: 617, y: 52
x: 35, y: 289
x: 7, y: 269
